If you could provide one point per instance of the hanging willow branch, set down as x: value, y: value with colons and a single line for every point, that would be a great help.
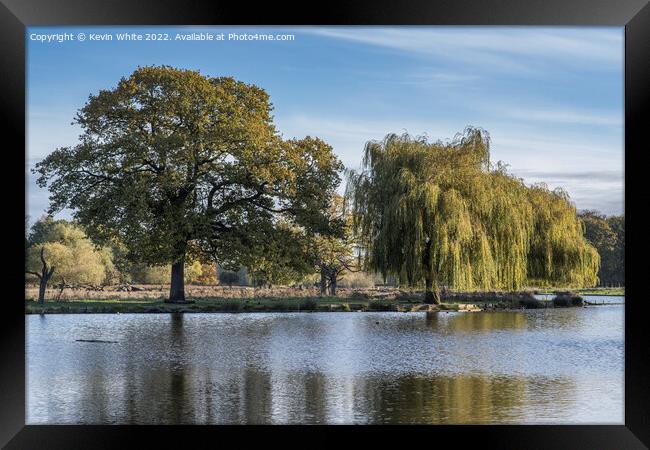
x: 440, y: 213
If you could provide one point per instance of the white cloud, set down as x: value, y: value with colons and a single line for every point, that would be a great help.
x: 504, y: 49
x: 562, y: 115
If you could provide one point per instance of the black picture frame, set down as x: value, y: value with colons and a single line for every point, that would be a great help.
x: 15, y: 15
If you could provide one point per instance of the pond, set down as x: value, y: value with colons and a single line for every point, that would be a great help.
x: 549, y: 366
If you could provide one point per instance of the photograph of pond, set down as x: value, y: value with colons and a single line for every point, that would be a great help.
x: 324, y: 225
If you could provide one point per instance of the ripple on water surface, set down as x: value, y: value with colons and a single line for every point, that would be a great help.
x: 538, y: 366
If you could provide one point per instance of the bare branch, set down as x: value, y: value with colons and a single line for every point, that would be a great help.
x: 33, y: 273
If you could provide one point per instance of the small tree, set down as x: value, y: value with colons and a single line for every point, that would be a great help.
x: 333, y: 253
x: 65, y: 246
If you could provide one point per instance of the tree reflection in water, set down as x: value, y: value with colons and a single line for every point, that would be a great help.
x: 471, y: 322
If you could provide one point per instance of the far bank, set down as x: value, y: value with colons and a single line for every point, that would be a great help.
x: 356, y: 301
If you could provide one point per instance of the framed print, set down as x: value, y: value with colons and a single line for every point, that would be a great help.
x: 406, y: 217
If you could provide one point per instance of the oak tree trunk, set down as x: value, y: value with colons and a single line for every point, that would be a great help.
x: 323, y: 282
x: 177, y: 289
x: 333, y: 281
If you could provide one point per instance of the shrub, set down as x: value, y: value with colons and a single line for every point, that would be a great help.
x: 531, y: 303
x: 566, y: 299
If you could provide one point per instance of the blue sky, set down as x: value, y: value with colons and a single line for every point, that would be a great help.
x: 551, y: 98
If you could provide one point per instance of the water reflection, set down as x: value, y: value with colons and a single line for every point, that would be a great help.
x: 471, y: 322
x: 458, y: 399
x: 540, y: 366
x: 313, y: 398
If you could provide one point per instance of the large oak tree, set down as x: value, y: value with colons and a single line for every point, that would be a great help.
x: 172, y: 163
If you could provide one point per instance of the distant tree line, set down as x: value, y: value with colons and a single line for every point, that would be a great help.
x: 607, y: 234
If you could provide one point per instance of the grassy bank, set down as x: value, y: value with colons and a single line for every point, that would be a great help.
x: 590, y: 291
x: 286, y: 304
x: 151, y: 299
x: 602, y: 291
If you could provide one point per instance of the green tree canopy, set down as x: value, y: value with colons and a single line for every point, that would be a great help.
x: 281, y: 258
x: 440, y: 213
x: 173, y: 163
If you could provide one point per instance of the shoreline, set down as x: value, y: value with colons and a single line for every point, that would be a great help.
x: 286, y: 305
x: 201, y: 307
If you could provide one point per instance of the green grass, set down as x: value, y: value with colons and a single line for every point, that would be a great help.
x: 258, y: 304
x: 261, y: 304
x: 588, y: 291
x: 198, y: 305
x: 602, y: 291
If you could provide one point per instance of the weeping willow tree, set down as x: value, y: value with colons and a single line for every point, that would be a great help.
x: 441, y: 214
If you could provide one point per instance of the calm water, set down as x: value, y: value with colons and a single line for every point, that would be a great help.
x: 538, y: 366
